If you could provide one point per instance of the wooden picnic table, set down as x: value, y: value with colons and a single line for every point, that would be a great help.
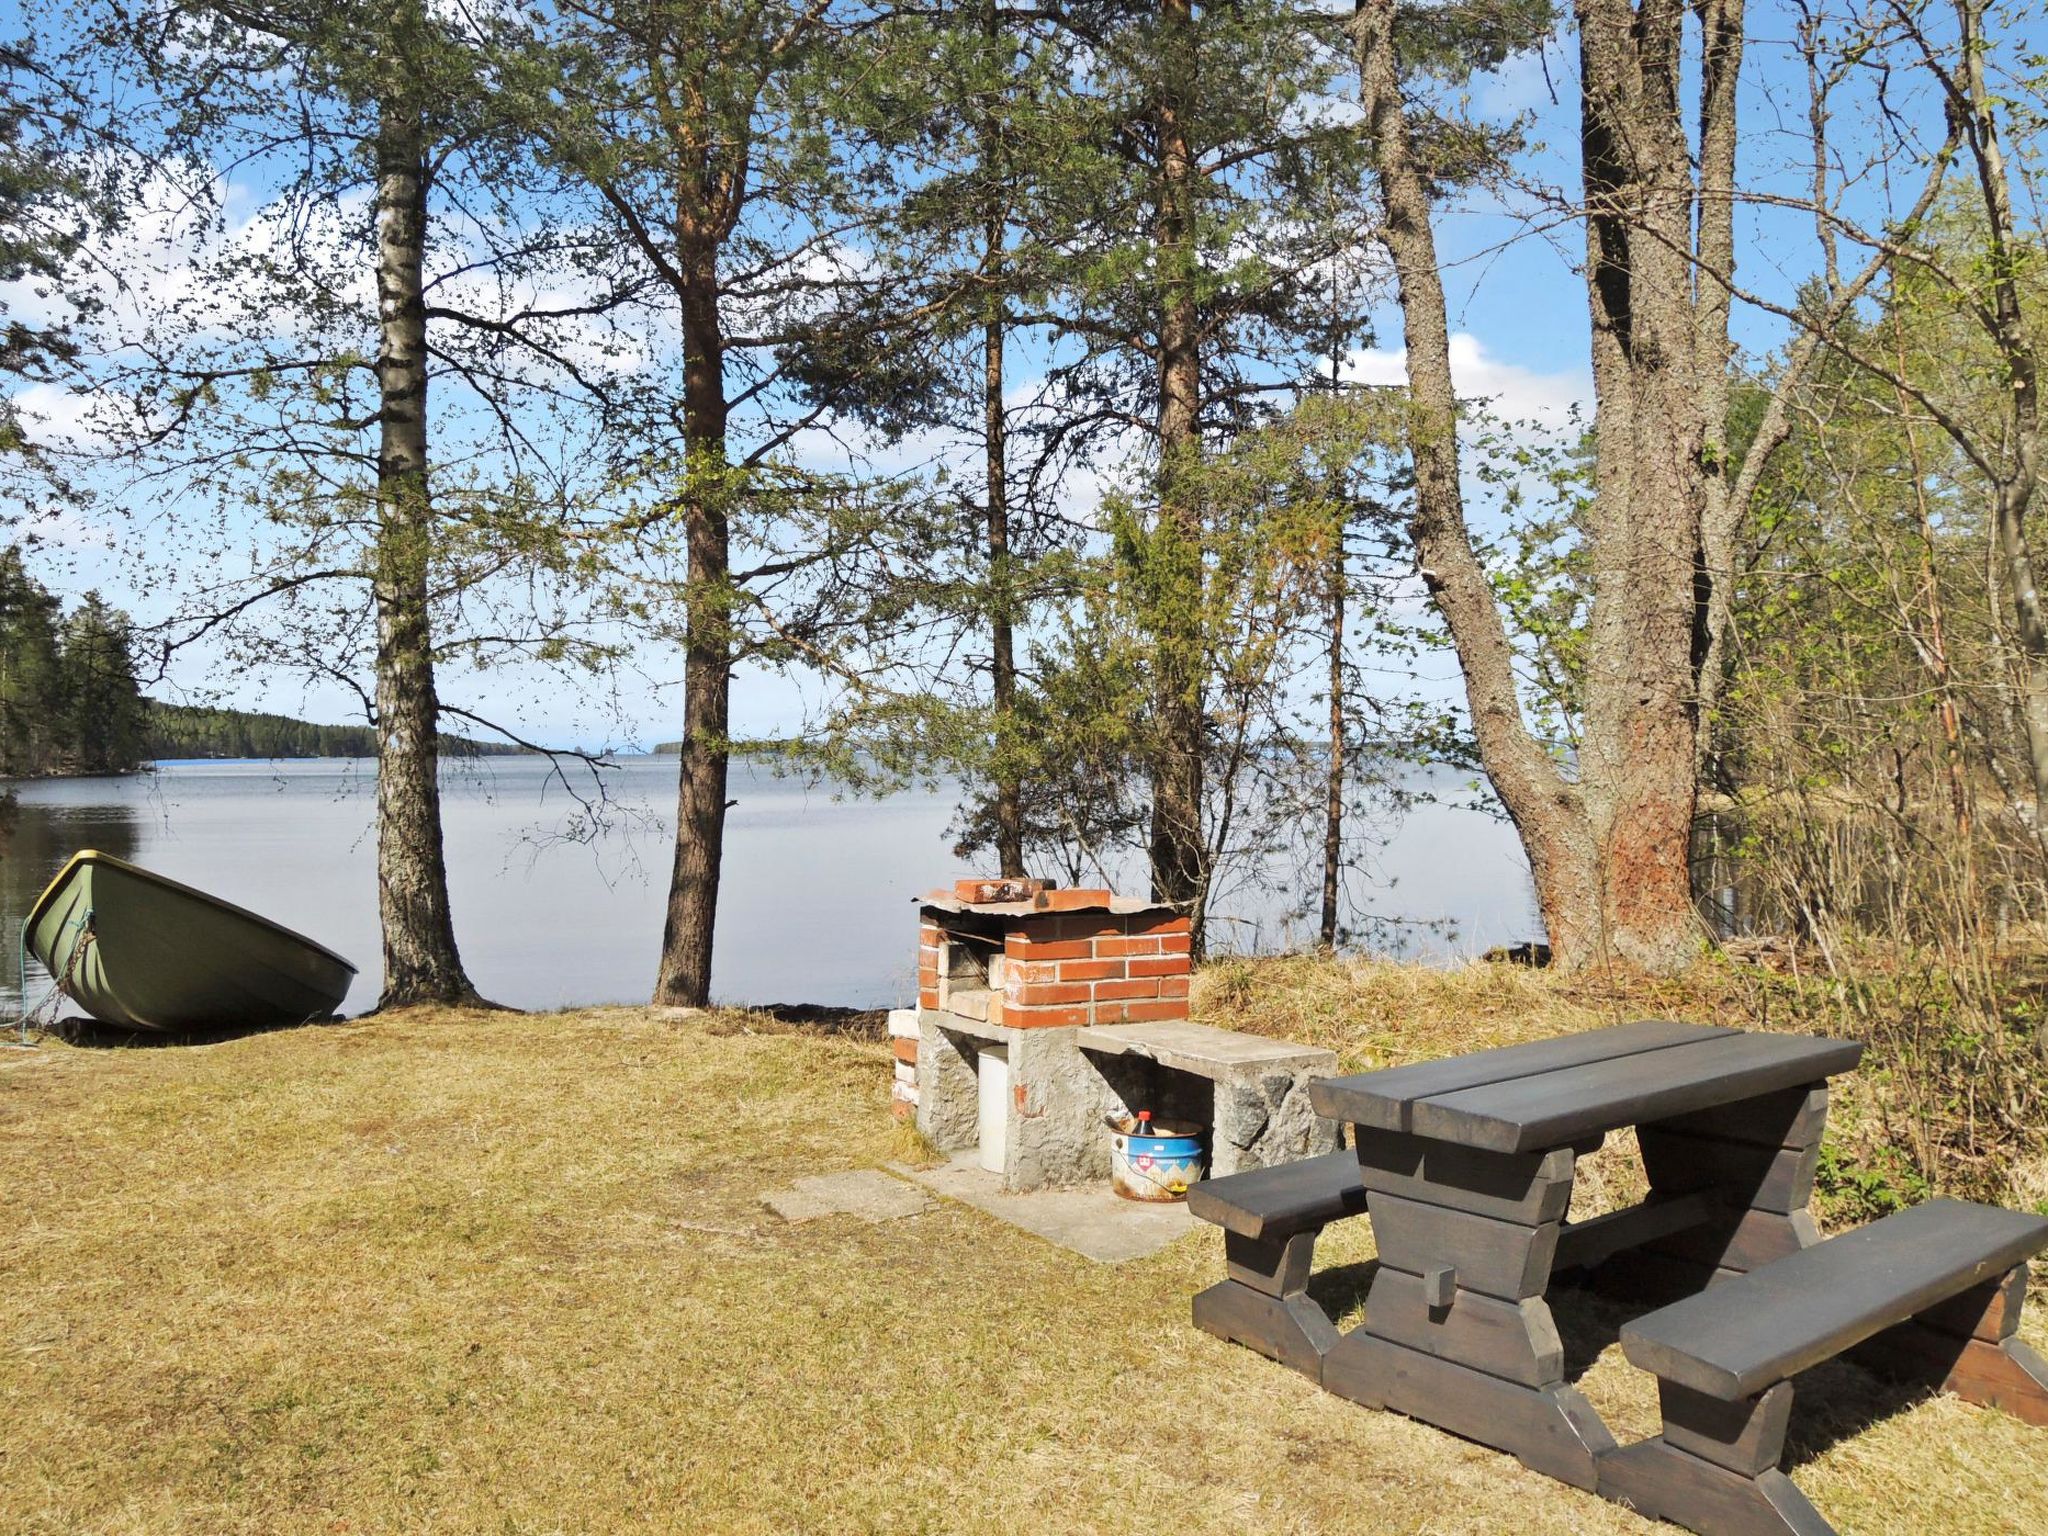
x: 1465, y: 1168
x: 1468, y: 1165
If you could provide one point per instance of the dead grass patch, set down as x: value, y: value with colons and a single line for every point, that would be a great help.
x: 444, y: 1272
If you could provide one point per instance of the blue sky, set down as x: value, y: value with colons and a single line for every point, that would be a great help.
x: 1517, y: 308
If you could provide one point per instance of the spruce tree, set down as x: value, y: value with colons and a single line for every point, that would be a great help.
x: 103, y: 711
x: 31, y: 673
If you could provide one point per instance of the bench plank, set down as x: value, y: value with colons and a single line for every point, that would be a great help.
x: 1279, y: 1201
x: 1383, y: 1099
x: 1983, y: 1312
x: 1743, y: 1335
x: 1553, y: 1108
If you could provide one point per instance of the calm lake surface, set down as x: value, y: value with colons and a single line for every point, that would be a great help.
x: 816, y: 904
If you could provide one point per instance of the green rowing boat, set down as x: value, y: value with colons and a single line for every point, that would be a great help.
x: 135, y: 949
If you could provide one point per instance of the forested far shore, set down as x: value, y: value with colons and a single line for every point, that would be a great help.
x: 184, y: 730
x: 70, y: 703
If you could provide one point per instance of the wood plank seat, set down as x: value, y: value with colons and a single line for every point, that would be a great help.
x: 1932, y: 1293
x: 1270, y: 1219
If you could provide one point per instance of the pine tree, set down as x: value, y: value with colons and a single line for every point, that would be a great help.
x: 104, y: 722
x: 31, y: 673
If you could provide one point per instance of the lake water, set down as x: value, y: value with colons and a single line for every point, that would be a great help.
x: 816, y: 904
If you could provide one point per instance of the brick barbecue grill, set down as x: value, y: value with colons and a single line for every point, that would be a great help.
x: 1041, y: 1011
x: 1051, y: 959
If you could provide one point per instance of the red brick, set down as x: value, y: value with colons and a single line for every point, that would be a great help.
x: 930, y: 934
x: 902, y: 1109
x: 1045, y: 1018
x: 1120, y: 945
x: 1075, y: 900
x: 1041, y: 994
x: 1157, y: 965
x: 927, y: 997
x: 1109, y: 1013
x: 970, y: 890
x: 1088, y: 925
x: 1160, y: 922
x: 1176, y: 944
x: 1142, y: 987
x: 1021, y: 972
x: 1024, y: 947
x: 905, y: 1048
x: 1173, y: 986
x: 1144, y: 1011
x: 1091, y: 970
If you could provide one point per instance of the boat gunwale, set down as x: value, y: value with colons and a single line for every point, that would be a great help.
x: 89, y: 856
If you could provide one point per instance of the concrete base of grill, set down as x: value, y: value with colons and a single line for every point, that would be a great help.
x: 1249, y: 1093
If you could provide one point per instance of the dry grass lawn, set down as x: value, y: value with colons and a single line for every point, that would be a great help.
x: 439, y: 1272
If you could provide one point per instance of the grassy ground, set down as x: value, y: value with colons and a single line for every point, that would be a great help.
x: 490, y: 1273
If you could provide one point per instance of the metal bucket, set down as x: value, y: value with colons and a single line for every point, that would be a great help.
x: 1159, y: 1165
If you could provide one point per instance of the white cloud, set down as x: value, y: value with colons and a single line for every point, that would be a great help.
x: 54, y: 416
x: 1515, y: 392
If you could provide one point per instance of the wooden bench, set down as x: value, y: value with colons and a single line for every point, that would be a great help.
x: 1930, y: 1294
x: 1270, y: 1219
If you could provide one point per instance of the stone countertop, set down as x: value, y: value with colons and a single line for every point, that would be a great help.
x: 1201, y: 1048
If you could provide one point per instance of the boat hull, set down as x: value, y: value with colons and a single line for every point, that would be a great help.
x: 137, y: 950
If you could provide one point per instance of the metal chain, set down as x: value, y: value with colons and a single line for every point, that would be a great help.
x: 31, y: 1018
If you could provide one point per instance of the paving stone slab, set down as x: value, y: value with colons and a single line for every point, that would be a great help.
x: 1086, y: 1219
x: 866, y: 1194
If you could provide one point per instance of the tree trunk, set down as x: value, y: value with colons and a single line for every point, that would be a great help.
x: 1654, y: 445
x: 1727, y: 485
x: 1178, y: 855
x: 1544, y: 806
x: 995, y: 426
x: 2014, y: 486
x: 1333, y: 788
x: 684, y: 979
x: 1002, y: 642
x: 421, y: 964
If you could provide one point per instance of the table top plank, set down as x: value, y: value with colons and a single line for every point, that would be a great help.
x: 1385, y: 1099
x: 1549, y: 1109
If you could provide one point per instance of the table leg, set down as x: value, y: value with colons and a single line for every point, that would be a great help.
x: 1456, y: 1329
x: 1758, y: 1157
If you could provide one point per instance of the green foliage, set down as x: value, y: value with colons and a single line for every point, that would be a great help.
x: 31, y: 672
x: 187, y: 730
x: 68, y: 700
x: 1851, y: 1192
x: 103, y: 713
